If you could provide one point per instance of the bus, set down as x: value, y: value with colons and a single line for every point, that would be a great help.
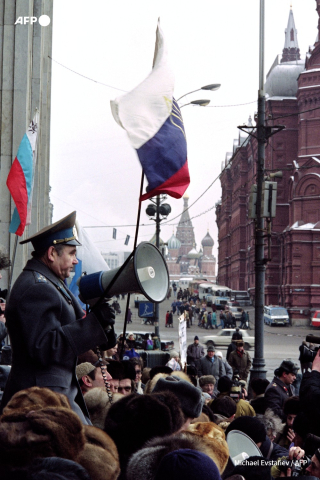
x: 240, y: 298
x: 213, y: 294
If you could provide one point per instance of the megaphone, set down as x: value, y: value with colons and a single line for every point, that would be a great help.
x: 145, y: 271
x: 241, y: 447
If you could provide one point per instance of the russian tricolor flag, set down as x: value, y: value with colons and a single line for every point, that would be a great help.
x: 20, y: 178
x: 154, y: 124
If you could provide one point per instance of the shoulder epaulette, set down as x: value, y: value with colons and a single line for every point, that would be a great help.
x: 39, y: 278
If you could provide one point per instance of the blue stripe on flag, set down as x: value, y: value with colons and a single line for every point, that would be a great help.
x: 164, y: 154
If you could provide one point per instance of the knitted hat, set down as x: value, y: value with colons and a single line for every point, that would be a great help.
x: 187, y: 464
x: 189, y: 396
x: 205, y: 379
x: 211, y: 348
x: 174, y: 353
x: 206, y: 438
x: 251, y: 426
x: 84, y: 369
x: 196, y: 338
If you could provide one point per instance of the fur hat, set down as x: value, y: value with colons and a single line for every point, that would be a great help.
x: 35, y: 398
x: 224, y: 384
x: 144, y: 463
x: 115, y: 369
x: 128, y: 370
x: 214, y: 438
x: 84, y: 369
x: 50, y: 432
x: 98, y: 404
x: 251, y: 426
x: 224, y: 406
x: 288, y: 367
x: 160, y: 369
x: 135, y: 419
x: 187, y: 464
x: 189, y: 396
x: 99, y: 456
x: 205, y: 379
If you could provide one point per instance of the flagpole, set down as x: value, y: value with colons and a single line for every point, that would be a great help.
x: 134, y: 247
x: 12, y: 265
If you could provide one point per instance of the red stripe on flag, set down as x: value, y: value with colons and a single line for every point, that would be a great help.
x: 175, y: 186
x: 16, y: 183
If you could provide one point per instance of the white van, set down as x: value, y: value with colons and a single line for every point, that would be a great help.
x: 276, y: 315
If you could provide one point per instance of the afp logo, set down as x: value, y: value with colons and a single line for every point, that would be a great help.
x: 44, y: 20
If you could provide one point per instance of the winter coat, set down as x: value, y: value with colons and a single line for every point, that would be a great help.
x: 310, y: 399
x: 195, y: 352
x: 276, y: 394
x: 240, y: 364
x: 48, y: 331
x: 207, y: 367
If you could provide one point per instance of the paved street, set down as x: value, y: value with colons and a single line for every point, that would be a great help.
x: 279, y: 342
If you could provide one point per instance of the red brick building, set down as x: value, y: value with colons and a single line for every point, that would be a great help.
x: 293, y: 274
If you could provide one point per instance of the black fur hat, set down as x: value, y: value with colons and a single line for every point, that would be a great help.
x: 135, y: 419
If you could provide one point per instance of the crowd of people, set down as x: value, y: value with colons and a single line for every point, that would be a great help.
x: 79, y: 403
x: 197, y: 311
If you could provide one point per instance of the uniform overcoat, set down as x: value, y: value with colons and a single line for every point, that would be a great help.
x: 48, y: 331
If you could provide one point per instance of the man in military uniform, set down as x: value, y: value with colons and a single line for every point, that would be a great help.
x: 281, y: 388
x: 47, y: 326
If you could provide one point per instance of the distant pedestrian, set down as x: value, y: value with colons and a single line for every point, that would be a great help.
x: 167, y: 317
x: 170, y: 319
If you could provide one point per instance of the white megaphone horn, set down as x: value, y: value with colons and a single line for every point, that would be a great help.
x: 145, y: 271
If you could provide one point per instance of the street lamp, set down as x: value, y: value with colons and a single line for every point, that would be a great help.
x: 200, y: 103
x: 212, y: 87
x: 159, y: 211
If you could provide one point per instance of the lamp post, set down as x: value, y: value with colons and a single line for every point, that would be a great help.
x: 200, y: 103
x: 158, y: 211
x: 212, y: 87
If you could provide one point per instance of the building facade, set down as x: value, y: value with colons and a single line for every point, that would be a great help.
x: 25, y: 84
x: 183, y: 259
x: 293, y: 270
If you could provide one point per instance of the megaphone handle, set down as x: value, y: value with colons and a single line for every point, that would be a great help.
x: 106, y: 383
x: 124, y: 327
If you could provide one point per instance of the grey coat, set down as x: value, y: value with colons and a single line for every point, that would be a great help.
x: 47, y: 332
x: 207, y: 367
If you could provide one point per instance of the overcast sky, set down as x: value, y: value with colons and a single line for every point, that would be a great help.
x: 94, y: 170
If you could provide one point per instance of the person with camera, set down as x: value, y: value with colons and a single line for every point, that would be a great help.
x: 310, y: 394
x: 47, y: 326
x: 281, y: 388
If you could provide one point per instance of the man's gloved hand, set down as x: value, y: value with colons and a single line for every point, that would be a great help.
x: 105, y: 315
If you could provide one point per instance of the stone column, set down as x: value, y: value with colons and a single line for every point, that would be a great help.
x: 25, y: 84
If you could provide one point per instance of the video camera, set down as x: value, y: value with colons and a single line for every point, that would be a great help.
x: 308, y: 354
x: 298, y: 467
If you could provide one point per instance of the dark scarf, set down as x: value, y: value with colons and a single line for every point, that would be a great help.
x: 240, y: 354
